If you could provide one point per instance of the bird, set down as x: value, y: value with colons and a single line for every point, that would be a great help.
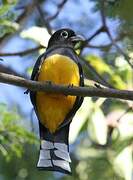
x: 60, y: 65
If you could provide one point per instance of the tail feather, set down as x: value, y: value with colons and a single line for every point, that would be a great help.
x: 63, y: 155
x: 54, y: 153
x: 47, y: 144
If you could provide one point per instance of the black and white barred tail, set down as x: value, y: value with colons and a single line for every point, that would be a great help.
x: 54, y: 151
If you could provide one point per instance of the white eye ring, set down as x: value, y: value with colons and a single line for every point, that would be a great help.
x: 64, y: 34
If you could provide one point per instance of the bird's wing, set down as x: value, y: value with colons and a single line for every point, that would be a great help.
x: 34, y: 76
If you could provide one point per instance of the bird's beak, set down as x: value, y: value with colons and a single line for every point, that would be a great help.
x: 77, y: 38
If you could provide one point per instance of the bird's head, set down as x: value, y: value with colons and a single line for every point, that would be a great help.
x: 65, y: 37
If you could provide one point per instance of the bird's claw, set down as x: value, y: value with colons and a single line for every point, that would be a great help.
x: 49, y: 82
x: 70, y: 85
x: 98, y: 86
x: 27, y: 91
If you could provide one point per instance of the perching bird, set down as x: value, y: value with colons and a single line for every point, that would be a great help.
x: 59, y: 65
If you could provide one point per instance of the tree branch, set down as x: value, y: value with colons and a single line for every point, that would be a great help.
x: 127, y: 58
x: 66, y: 90
x: 98, y: 31
x: 9, y: 70
x: 42, y: 17
x: 59, y: 8
x: 21, y: 20
x: 22, y: 53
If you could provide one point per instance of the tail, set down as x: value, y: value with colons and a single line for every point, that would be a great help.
x: 54, y: 150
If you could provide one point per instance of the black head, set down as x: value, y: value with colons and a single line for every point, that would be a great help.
x: 64, y: 37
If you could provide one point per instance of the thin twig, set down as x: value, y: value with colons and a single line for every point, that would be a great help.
x: 22, y: 53
x: 126, y: 111
x: 59, y: 8
x: 9, y: 70
x: 42, y: 17
x: 127, y: 58
x: 98, y: 31
x: 20, y: 19
x: 106, y: 46
x: 66, y: 90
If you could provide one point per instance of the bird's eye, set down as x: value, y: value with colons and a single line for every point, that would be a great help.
x: 64, y: 34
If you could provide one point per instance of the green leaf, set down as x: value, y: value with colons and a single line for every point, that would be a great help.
x: 98, y: 64
x: 97, y: 126
x: 123, y: 163
x: 126, y: 128
x: 80, y: 119
x: 109, y: 72
x: 7, y: 23
x: 4, y: 9
x: 29, y: 70
x: 117, y: 81
x: 13, y: 135
x: 3, y: 150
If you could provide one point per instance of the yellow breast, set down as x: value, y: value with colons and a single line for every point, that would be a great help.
x: 52, y: 108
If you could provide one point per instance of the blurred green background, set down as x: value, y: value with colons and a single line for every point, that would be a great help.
x: 96, y: 153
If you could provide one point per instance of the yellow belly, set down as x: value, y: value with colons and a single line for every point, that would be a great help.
x: 52, y: 108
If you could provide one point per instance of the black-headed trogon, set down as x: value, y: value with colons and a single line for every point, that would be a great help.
x: 59, y: 65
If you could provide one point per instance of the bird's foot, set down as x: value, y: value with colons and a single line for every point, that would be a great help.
x: 48, y: 82
x: 98, y: 86
x: 70, y: 85
x: 27, y: 91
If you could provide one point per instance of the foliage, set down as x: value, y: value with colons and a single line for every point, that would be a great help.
x: 7, y: 18
x: 114, y: 160
x: 13, y: 134
x: 111, y: 74
x: 24, y: 167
